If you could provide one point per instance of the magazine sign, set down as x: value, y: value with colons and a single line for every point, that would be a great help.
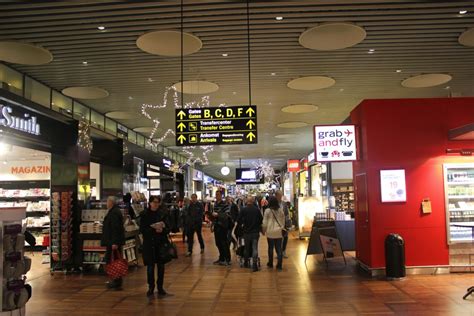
x: 335, y: 143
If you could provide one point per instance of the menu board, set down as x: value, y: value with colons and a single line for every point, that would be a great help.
x: 335, y: 143
x: 393, y: 186
x: 231, y: 125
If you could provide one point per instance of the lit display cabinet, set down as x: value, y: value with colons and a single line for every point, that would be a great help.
x: 459, y: 191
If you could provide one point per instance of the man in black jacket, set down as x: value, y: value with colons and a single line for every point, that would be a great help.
x: 113, y: 235
x: 193, y: 215
x: 222, y: 223
x: 250, y: 219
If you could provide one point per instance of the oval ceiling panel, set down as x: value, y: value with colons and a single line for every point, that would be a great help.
x: 24, y: 53
x: 168, y: 43
x: 87, y: 93
x: 196, y: 87
x: 292, y: 124
x: 467, y: 38
x: 426, y: 80
x: 122, y: 115
x: 311, y: 83
x: 299, y: 108
x: 332, y: 36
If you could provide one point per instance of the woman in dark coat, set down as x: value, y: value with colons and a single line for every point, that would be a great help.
x: 155, y: 226
x: 113, y: 235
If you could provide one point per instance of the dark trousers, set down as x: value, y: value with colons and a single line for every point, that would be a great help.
x: 251, y: 247
x: 222, y: 243
x: 275, y: 243
x: 108, y: 259
x: 190, y: 231
x: 150, y: 276
x: 285, y: 242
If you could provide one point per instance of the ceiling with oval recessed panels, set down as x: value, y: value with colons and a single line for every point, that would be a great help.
x: 349, y: 51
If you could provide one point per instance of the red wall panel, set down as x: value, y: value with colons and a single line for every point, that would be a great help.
x: 410, y: 134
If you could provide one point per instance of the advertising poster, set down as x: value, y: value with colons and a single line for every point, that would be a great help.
x: 335, y: 143
x: 392, y: 185
x: 331, y: 246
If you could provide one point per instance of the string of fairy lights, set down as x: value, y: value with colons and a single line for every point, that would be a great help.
x: 195, y: 154
x: 84, y: 139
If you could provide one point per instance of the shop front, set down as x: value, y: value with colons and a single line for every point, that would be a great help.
x: 414, y: 178
x: 38, y: 167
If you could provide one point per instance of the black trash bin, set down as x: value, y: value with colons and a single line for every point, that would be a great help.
x: 394, y: 257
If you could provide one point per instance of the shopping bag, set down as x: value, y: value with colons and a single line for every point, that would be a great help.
x: 118, y: 267
x: 167, y: 251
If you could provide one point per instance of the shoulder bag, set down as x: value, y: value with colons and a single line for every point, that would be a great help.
x: 284, y: 232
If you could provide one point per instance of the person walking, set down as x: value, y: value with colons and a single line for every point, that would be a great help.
x: 113, y: 236
x: 222, y: 224
x: 155, y: 227
x: 234, y: 213
x: 287, y: 222
x: 250, y: 219
x: 193, y: 223
x: 273, y: 226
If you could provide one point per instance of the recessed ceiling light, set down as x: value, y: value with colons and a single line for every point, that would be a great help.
x: 273, y: 73
x: 279, y: 18
x: 448, y: 87
x: 101, y: 28
x: 150, y: 80
x: 234, y: 93
x: 342, y: 89
x: 130, y: 98
x: 463, y: 12
x: 225, y: 55
x: 371, y: 51
x: 84, y: 62
x: 399, y: 70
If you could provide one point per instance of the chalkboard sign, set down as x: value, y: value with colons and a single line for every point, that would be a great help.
x: 324, y: 239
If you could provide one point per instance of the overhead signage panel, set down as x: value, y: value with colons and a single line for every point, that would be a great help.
x: 335, y: 143
x: 231, y: 125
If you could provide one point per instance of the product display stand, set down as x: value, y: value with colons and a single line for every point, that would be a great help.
x: 14, y: 293
x: 61, y: 230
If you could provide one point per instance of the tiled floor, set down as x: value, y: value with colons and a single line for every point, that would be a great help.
x: 200, y: 288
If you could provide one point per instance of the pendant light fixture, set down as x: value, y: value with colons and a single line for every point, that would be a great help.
x: 225, y: 170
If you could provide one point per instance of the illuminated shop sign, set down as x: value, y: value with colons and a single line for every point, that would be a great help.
x: 335, y: 143
x: 167, y: 163
x: 311, y: 157
x: 28, y: 124
x: 293, y: 165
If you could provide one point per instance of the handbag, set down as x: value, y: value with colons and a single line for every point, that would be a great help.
x: 117, y: 267
x: 168, y: 251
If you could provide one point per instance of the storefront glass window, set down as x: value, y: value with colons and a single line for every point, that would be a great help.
x: 11, y: 80
x: 140, y: 140
x: 97, y: 120
x: 81, y: 112
x: 37, y: 92
x: 132, y: 136
x: 110, y: 126
x: 61, y: 103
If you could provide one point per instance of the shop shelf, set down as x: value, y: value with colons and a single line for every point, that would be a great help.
x: 461, y: 196
x: 461, y: 209
x: 101, y: 263
x: 24, y: 198
x: 129, y: 247
x: 460, y: 183
x: 93, y: 250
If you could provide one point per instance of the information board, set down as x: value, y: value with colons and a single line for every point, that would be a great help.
x: 393, y: 186
x: 232, y: 125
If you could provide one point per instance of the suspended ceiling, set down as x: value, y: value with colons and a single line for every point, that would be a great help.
x: 407, y: 37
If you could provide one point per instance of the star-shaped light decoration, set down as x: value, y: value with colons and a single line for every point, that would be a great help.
x: 154, y: 140
x: 265, y: 170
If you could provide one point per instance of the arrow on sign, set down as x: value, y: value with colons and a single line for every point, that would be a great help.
x: 181, y: 139
x: 181, y: 126
x: 250, y: 123
x: 250, y: 111
x: 181, y: 114
x: 251, y: 136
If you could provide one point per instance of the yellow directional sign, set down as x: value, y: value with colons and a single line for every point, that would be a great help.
x: 251, y: 136
x: 229, y: 125
x: 181, y: 114
x: 181, y: 126
x: 250, y: 123
x: 181, y: 138
x: 250, y: 111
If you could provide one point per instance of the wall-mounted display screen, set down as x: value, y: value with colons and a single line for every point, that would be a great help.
x: 247, y: 176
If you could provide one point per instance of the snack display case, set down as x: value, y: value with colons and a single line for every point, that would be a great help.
x: 459, y: 191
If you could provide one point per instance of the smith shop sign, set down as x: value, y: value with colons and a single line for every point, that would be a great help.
x: 233, y: 125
